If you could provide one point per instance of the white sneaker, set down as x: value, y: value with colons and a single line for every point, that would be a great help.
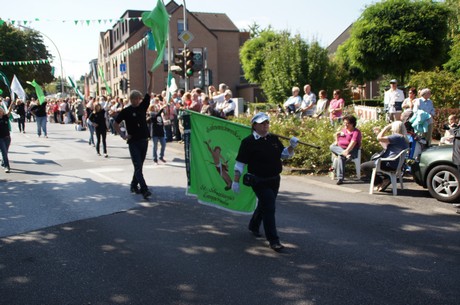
x: 7, y: 169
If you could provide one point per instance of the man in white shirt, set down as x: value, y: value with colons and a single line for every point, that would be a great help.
x: 308, y: 105
x: 393, y: 100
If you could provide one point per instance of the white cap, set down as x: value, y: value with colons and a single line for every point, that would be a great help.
x: 260, y: 117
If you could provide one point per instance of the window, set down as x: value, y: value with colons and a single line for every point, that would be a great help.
x: 180, y: 26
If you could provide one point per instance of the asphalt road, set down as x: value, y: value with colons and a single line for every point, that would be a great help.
x: 71, y: 233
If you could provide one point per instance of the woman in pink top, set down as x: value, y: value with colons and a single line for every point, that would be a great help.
x: 346, y: 146
x: 335, y: 107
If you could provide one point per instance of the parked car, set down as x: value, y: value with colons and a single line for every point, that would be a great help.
x: 436, y: 171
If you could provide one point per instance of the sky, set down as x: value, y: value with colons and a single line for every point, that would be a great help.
x: 77, y: 45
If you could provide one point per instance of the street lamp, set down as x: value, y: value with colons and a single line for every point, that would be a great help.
x: 59, y: 54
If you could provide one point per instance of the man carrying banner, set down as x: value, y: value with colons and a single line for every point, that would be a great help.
x: 137, y: 134
x: 262, y: 153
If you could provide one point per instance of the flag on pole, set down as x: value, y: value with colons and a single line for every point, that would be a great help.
x: 107, y: 87
x: 158, y: 22
x: 38, y: 91
x: 172, y: 87
x: 77, y: 91
x: 5, y: 80
x: 17, y: 89
x: 214, y: 144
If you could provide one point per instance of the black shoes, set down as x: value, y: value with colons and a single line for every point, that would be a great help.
x: 339, y: 182
x: 135, y: 189
x: 254, y: 231
x: 277, y: 246
x: 146, y: 194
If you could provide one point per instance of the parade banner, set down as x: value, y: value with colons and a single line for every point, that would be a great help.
x: 214, y: 145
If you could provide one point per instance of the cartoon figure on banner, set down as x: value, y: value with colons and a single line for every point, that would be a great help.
x: 220, y: 163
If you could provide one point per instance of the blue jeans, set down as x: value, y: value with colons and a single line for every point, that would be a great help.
x: 162, y: 141
x: 91, y: 132
x: 339, y: 160
x: 4, y: 147
x: 138, y: 151
x: 266, y: 193
x: 41, y: 125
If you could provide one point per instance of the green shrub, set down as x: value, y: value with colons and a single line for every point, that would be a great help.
x: 319, y: 133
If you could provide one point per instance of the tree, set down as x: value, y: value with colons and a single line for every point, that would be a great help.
x: 396, y: 36
x: 17, y: 45
x: 285, y: 66
x: 444, y: 86
x: 453, y: 64
x: 252, y: 55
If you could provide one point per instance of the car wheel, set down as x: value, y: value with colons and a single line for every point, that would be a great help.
x: 443, y: 183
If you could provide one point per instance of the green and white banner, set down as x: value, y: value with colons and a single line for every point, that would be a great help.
x: 214, y: 144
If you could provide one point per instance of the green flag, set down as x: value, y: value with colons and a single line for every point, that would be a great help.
x: 214, y: 144
x: 158, y: 22
x: 75, y: 88
x: 38, y: 91
x: 107, y: 87
x: 5, y: 80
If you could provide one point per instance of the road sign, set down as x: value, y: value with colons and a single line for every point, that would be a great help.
x: 186, y: 37
x: 122, y: 68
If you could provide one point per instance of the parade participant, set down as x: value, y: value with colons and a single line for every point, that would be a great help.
x: 157, y: 133
x: 261, y: 152
x: 5, y: 139
x: 39, y: 111
x: 137, y: 134
x: 97, y: 118
x: 21, y: 112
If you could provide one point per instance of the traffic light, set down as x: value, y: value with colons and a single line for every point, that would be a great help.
x: 189, y: 63
x: 201, y: 78
x: 178, y: 67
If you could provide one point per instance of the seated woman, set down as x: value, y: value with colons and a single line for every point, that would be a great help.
x: 346, y: 147
x: 393, y: 145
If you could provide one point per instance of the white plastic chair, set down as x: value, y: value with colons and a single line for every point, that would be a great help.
x: 357, y: 162
x: 394, y: 175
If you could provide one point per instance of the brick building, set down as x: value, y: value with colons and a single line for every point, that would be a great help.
x: 123, y: 51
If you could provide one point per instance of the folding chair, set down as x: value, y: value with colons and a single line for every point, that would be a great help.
x: 394, y: 175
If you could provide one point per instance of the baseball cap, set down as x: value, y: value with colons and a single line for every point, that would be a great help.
x: 260, y: 117
x: 393, y: 81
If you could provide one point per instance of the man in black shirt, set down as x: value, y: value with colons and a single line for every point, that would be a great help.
x: 262, y: 153
x: 137, y: 134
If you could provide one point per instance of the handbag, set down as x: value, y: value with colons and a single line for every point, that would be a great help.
x: 249, y: 179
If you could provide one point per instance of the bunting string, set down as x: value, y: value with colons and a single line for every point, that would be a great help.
x: 87, y: 22
x: 25, y: 62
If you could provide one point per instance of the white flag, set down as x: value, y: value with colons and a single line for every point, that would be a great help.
x: 17, y: 88
x: 173, y: 86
